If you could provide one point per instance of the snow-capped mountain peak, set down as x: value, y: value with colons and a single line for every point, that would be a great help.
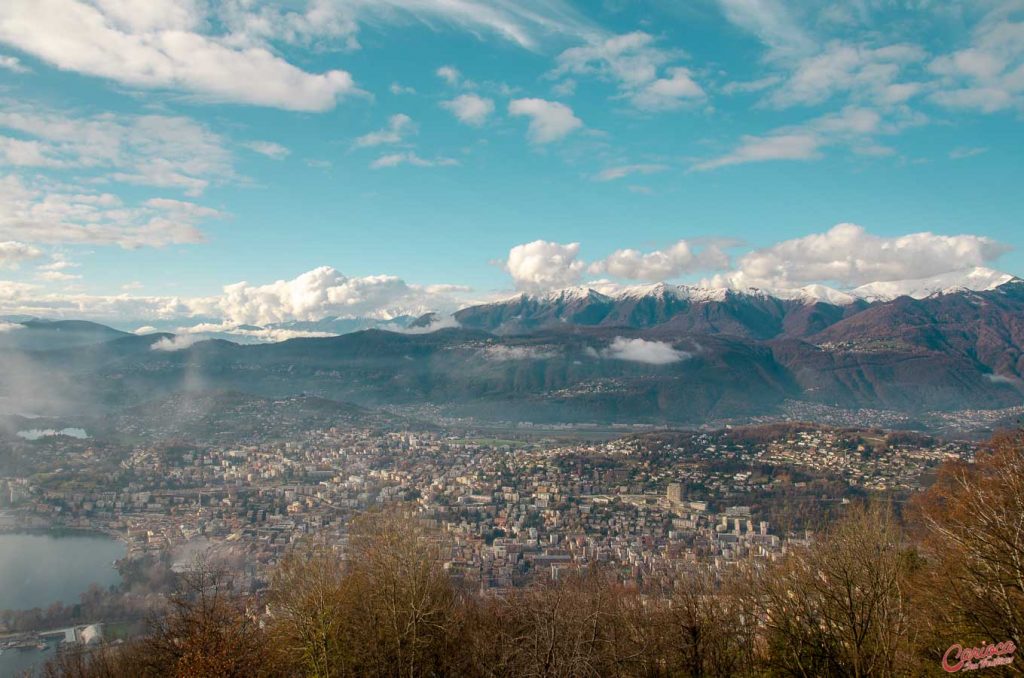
x: 978, y: 279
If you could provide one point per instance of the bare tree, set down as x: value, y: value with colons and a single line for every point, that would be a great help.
x: 205, y: 631
x: 309, y: 608
x: 973, y: 531
x: 840, y: 607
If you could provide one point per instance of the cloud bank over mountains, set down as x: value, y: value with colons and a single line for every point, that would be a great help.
x: 846, y: 256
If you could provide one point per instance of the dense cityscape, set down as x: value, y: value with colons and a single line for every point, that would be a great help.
x: 510, y: 511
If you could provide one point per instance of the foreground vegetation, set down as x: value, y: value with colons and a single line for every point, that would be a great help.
x: 875, y: 595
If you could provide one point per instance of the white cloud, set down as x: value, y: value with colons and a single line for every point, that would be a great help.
x: 541, y: 265
x: 500, y: 353
x: 154, y: 150
x: 669, y: 93
x: 642, y: 351
x: 410, y: 158
x: 470, y: 109
x: 661, y: 265
x: 145, y: 329
x: 12, y: 64
x: 259, y: 334
x: 632, y: 61
x: 848, y: 255
x: 175, y: 343
x: 398, y: 89
x: 771, y: 22
x: 449, y: 74
x: 25, y: 153
x: 57, y: 263
x: 324, y: 292
x: 39, y: 213
x: 157, y: 44
x: 269, y: 149
x: 988, y: 76
x: 962, y: 152
x: 317, y: 294
x: 28, y: 299
x: 549, y: 120
x: 57, y: 276
x: 748, y: 86
x: 867, y: 72
x: 773, y: 147
x: 13, y: 253
x: 399, y: 126
x: 852, y: 126
x: 622, y: 171
x: 439, y: 322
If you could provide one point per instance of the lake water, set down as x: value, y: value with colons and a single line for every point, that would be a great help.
x: 37, y: 433
x: 39, y: 569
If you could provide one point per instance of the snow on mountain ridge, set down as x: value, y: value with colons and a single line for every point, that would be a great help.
x: 977, y: 279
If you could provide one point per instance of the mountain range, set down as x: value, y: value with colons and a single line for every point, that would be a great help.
x: 657, y: 353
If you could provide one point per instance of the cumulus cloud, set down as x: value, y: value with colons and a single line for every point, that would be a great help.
x: 641, y: 351
x: 549, y: 120
x: 848, y: 255
x: 13, y: 253
x: 36, y: 213
x: 668, y: 93
x: 470, y: 109
x: 411, y: 158
x: 175, y: 343
x: 660, y: 265
x: 398, y: 128
x: 449, y: 74
x: 541, y: 265
x: 325, y: 292
x: 633, y: 62
x: 315, y: 295
x: 160, y: 44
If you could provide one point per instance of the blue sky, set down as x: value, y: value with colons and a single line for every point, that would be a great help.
x: 348, y: 157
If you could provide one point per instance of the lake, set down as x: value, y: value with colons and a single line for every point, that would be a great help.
x: 43, y: 568
x: 36, y: 433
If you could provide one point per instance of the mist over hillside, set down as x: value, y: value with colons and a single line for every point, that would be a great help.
x: 654, y: 356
